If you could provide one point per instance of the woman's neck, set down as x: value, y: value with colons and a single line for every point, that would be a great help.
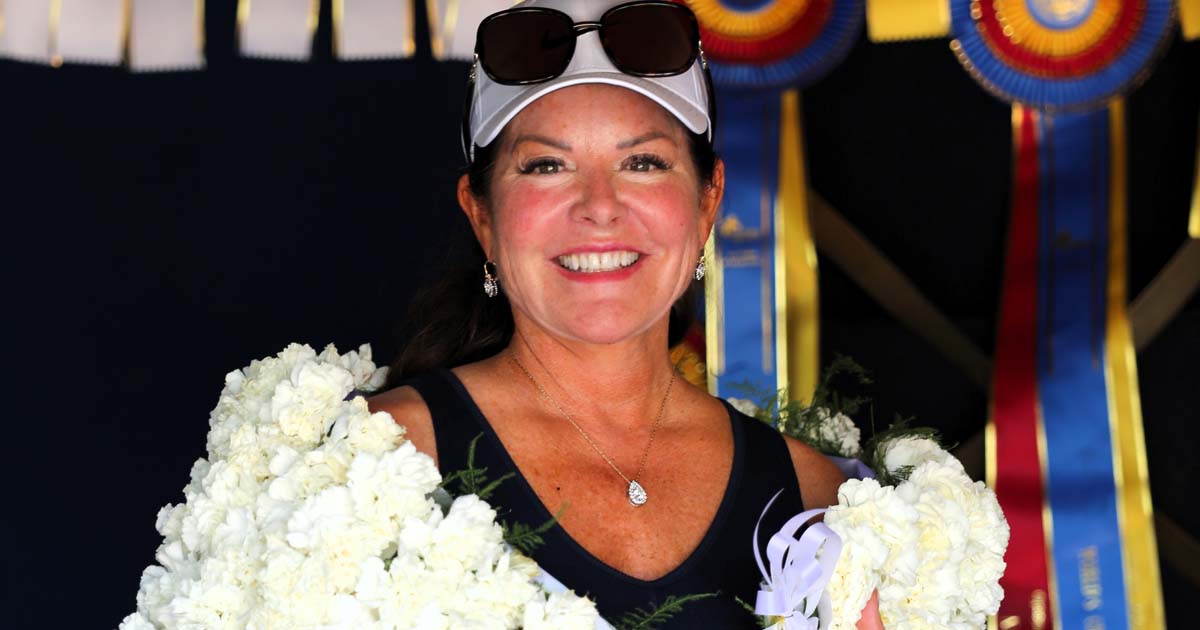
x: 622, y: 383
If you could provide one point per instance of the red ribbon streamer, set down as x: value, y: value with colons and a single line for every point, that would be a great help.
x: 1018, y: 479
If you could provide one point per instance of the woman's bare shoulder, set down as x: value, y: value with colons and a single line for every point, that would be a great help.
x: 408, y: 409
x: 819, y: 477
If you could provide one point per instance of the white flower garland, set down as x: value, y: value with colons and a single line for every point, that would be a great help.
x: 312, y: 512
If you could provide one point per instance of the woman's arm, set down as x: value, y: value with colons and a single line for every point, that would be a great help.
x: 819, y: 481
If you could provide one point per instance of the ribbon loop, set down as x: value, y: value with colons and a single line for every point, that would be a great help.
x: 794, y: 585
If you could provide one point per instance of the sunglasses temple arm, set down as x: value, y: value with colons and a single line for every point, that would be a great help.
x: 712, y: 95
x: 466, y: 117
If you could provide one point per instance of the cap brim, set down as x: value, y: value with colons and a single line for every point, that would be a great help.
x: 691, y: 115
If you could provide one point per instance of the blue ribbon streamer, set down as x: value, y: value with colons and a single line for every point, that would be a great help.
x: 749, y: 143
x: 1072, y: 302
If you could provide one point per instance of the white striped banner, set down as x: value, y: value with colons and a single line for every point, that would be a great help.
x: 26, y: 35
x: 373, y: 29
x: 166, y: 35
x: 277, y: 29
x: 92, y: 31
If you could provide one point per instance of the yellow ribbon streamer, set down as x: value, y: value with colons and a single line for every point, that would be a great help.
x: 56, y: 59
x: 1134, y: 510
x: 893, y: 20
x: 714, y: 313
x: 797, y: 330
x: 1194, y: 219
x: 1189, y: 18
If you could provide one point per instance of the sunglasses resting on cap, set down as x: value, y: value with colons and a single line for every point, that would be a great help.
x: 523, y: 53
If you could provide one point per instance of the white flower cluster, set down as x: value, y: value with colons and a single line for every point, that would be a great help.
x: 830, y: 433
x: 933, y: 545
x: 835, y: 429
x: 311, y: 511
x: 745, y: 406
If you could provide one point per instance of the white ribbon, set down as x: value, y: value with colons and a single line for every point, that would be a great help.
x: 794, y: 587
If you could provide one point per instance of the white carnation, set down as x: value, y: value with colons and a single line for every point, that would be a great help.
x: 911, y: 452
x: 387, y: 489
x: 559, y: 612
x: 745, y: 406
x: 366, y: 377
x: 303, y: 404
x: 135, y: 622
x: 467, y: 538
x: 357, y: 429
x: 878, y: 534
x: 838, y: 429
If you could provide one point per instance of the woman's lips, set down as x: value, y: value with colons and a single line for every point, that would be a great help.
x: 598, y: 262
x: 597, y: 266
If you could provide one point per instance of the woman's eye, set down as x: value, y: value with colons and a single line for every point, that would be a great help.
x: 542, y: 166
x: 646, y: 163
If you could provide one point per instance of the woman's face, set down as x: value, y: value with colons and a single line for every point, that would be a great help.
x: 596, y: 215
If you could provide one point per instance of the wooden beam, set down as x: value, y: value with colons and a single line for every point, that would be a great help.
x: 1166, y: 295
x: 870, y: 269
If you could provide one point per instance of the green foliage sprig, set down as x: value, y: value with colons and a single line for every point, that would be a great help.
x: 802, y: 420
x: 525, y: 538
x: 474, y: 480
x: 655, y: 616
x: 876, y: 448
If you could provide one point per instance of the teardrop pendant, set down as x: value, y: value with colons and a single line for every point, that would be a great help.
x: 637, y: 494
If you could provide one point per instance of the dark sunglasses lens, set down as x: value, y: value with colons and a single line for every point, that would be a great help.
x: 526, y: 46
x: 651, y: 39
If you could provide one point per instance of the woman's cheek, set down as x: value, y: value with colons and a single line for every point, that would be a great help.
x: 670, y: 211
x: 523, y: 215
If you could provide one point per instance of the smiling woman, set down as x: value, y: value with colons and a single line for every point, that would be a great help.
x: 591, y: 189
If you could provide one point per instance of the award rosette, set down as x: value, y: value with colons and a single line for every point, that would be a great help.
x: 1065, y: 450
x: 777, y: 43
x: 761, y: 305
x: 1059, y: 54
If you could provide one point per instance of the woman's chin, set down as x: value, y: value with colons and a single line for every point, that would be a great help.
x: 606, y: 326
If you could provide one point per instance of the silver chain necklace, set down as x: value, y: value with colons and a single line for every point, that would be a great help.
x: 634, y: 491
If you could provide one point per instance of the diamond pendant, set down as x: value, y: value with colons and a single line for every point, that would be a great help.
x: 637, y: 494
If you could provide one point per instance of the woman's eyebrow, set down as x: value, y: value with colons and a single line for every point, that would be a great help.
x: 646, y: 137
x: 533, y: 137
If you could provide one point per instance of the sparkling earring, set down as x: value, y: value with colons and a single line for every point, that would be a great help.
x: 700, y: 268
x: 491, y: 286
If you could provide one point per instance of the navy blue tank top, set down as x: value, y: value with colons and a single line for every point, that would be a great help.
x: 723, y: 562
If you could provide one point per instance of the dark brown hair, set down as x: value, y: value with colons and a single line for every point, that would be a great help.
x: 453, y: 323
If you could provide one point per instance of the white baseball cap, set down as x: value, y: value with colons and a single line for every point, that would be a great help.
x: 493, y: 104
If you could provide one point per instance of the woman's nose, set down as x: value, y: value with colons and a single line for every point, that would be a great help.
x: 599, y: 204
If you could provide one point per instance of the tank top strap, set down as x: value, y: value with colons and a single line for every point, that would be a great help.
x: 772, y: 469
x: 455, y: 423
x: 768, y: 470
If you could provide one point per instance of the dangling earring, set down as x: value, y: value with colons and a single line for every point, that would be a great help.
x: 491, y: 286
x: 700, y: 268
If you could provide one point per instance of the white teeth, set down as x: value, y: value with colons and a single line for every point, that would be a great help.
x: 596, y: 262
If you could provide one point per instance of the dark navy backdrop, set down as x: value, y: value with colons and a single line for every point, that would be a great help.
x: 161, y: 230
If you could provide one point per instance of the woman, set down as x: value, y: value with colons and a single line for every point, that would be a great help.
x: 591, y: 189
